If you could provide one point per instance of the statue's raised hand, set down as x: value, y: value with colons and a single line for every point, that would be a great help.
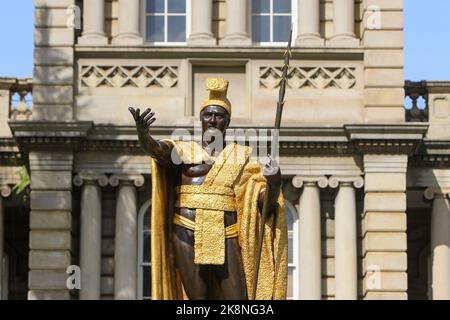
x: 144, y: 120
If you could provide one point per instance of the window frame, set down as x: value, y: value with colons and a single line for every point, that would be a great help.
x: 166, y: 43
x: 295, y: 250
x: 141, y: 264
x: 294, y: 19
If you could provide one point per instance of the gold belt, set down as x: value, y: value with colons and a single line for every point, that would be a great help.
x: 230, y: 231
x: 205, y: 197
x: 210, y: 202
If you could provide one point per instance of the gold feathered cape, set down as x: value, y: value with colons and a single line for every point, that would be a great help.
x: 272, y: 282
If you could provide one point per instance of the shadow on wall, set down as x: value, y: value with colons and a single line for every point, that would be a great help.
x: 55, y: 81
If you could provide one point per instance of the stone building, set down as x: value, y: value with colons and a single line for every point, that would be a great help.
x: 367, y: 179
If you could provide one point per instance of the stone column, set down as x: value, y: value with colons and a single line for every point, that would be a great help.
x: 236, y: 24
x: 310, y: 236
x: 201, y: 22
x: 5, y: 191
x: 344, y: 23
x: 345, y: 239
x: 129, y: 18
x: 125, y: 257
x: 309, y: 24
x: 90, y: 234
x: 93, y: 23
x: 440, y: 243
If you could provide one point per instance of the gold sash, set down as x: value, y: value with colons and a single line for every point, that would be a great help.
x: 230, y: 231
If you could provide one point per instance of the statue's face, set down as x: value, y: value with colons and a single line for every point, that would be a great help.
x: 214, y: 118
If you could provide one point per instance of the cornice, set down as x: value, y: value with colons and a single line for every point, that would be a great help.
x: 402, y: 138
x: 348, y: 139
x: 218, y: 52
x: 41, y: 135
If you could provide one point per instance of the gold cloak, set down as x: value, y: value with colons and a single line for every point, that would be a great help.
x: 272, y: 282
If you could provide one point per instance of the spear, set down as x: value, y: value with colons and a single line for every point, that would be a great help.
x: 274, y: 146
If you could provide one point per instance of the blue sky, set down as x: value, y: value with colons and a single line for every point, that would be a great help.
x: 427, y: 39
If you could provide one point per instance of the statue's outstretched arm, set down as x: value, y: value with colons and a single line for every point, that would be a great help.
x: 158, y: 150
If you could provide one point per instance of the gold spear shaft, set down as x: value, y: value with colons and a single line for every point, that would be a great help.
x: 275, y: 134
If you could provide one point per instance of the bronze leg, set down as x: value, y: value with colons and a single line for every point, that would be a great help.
x: 230, y: 276
x: 193, y: 276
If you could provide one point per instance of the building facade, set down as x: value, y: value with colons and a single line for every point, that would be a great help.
x: 366, y: 172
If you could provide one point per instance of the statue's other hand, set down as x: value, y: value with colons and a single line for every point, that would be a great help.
x: 272, y: 172
x: 144, y: 120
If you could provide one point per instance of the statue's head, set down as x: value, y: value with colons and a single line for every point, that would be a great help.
x: 215, y: 111
x: 214, y: 117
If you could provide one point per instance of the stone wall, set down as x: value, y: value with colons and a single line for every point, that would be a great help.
x: 382, y: 34
x: 384, y: 227
x: 53, y: 61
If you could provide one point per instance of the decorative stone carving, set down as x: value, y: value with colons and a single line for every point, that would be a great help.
x: 431, y: 193
x: 142, y: 76
x: 309, y: 77
x: 88, y: 177
x: 334, y: 181
x: 137, y: 179
x: 5, y: 191
x: 299, y: 181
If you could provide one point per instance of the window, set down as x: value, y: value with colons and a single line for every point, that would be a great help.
x: 293, y: 291
x: 166, y: 21
x: 271, y: 21
x: 144, y: 259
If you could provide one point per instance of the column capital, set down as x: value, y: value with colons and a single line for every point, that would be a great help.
x: 435, y: 192
x: 137, y: 179
x: 89, y: 178
x: 5, y: 191
x: 336, y: 181
x: 300, y: 181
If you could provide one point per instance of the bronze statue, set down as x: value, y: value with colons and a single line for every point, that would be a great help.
x: 206, y: 212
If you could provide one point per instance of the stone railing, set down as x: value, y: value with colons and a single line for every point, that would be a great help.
x: 417, y: 92
x: 16, y: 98
x: 429, y: 101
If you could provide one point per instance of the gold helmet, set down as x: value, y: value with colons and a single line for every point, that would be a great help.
x: 218, y: 88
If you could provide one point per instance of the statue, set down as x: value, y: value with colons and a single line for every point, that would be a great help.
x: 206, y: 212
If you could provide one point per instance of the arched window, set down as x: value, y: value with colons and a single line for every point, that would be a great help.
x: 272, y: 20
x: 144, y: 259
x: 167, y: 21
x: 293, y: 254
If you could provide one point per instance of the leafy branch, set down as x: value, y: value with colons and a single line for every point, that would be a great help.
x: 24, y: 180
